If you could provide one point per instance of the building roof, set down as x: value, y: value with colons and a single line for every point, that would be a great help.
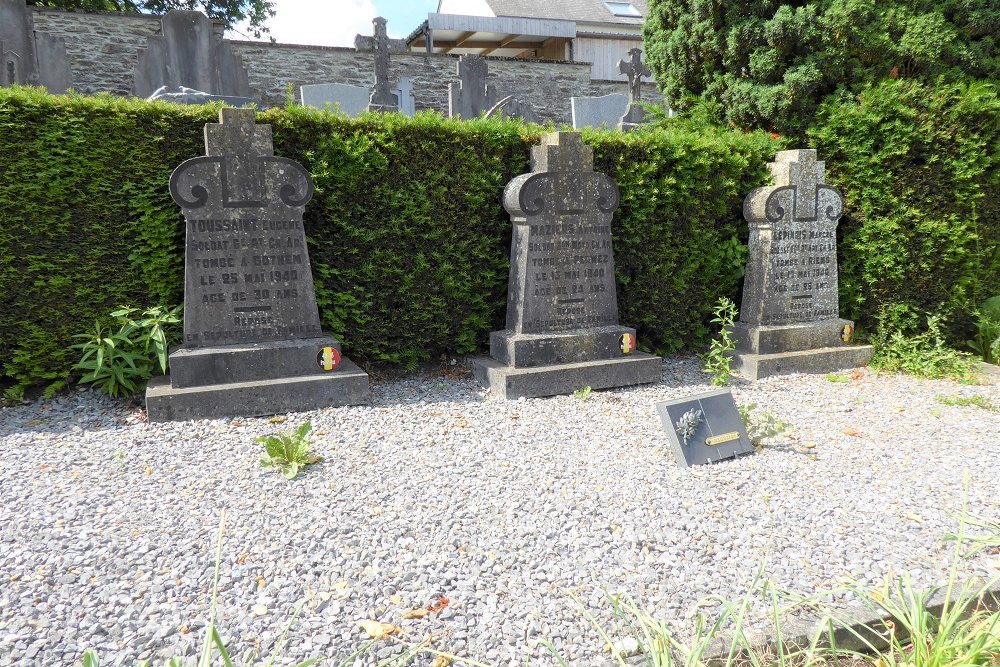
x: 587, y: 11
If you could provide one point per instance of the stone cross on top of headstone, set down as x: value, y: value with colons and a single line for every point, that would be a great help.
x: 471, y: 95
x: 382, y: 99
x: 790, y: 315
x: 634, y: 69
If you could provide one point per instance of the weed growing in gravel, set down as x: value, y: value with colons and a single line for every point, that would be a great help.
x: 967, y: 401
x: 986, y: 540
x: 987, y: 341
x: 119, y: 362
x: 833, y: 377
x: 288, y: 452
x: 583, y: 394
x: 718, y: 359
x: 924, y: 355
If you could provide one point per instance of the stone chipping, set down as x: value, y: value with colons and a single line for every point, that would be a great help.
x: 521, y: 513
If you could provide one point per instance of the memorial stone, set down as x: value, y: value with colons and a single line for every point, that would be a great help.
x: 562, y: 308
x: 382, y: 98
x: 634, y: 69
x: 353, y: 100
x: 705, y: 428
x: 605, y: 111
x: 790, y: 316
x: 252, y: 338
x: 29, y: 57
x: 189, y: 53
x: 471, y: 96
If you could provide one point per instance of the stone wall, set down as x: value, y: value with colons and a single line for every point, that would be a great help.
x: 103, y: 47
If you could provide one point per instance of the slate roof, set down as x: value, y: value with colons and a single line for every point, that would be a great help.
x: 587, y: 11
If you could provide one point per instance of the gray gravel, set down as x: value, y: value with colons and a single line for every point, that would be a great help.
x: 509, y: 509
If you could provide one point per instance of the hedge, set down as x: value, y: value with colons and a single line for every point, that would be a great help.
x: 408, y: 239
x: 919, y: 167
x: 409, y: 242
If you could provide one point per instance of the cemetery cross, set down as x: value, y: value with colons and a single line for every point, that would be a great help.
x: 382, y: 99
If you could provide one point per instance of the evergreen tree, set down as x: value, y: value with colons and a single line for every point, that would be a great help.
x: 769, y: 64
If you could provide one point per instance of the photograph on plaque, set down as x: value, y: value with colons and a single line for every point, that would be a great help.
x: 705, y: 428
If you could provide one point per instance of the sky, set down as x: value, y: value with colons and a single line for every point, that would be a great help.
x: 336, y: 22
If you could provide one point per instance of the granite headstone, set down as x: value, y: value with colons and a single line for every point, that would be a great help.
x: 562, y: 307
x: 353, y: 100
x: 252, y: 338
x: 189, y: 53
x: 604, y: 111
x: 790, y: 316
x: 471, y: 95
x: 383, y: 99
x: 29, y: 57
x: 634, y: 69
x: 705, y: 428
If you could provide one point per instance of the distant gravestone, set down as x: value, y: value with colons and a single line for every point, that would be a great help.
x: 705, y: 428
x: 252, y: 338
x: 562, y: 307
x: 471, y: 95
x: 790, y: 315
x: 28, y: 57
x: 189, y: 53
x: 353, y: 100
x: 382, y: 99
x: 634, y: 69
x: 605, y: 111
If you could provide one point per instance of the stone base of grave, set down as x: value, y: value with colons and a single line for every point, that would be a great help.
x: 634, y: 116
x: 568, y: 347
x: 813, y: 347
x: 253, y: 380
x: 509, y: 382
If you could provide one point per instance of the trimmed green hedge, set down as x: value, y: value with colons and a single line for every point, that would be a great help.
x: 409, y: 242
x: 919, y: 167
x: 408, y: 239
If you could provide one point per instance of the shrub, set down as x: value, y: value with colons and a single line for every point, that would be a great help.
x: 924, y: 355
x: 288, y: 452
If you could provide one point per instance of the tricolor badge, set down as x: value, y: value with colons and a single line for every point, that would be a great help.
x: 627, y: 343
x: 847, y: 333
x: 328, y: 358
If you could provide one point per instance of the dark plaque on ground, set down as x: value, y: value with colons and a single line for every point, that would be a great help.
x: 705, y: 428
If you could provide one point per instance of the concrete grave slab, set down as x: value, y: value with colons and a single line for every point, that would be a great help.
x: 604, y: 111
x: 705, y: 428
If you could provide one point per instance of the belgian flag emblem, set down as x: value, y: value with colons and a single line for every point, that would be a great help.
x: 627, y: 343
x: 328, y: 358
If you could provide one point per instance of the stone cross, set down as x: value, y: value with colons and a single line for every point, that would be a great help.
x: 634, y: 69
x: 801, y: 170
x: 382, y: 99
x: 242, y: 142
x: 471, y: 95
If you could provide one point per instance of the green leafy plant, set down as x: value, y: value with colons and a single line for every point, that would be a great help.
x: 760, y: 424
x: 583, y: 394
x: 924, y: 354
x: 987, y: 341
x: 119, y: 362
x: 14, y: 395
x: 967, y: 401
x: 718, y: 359
x: 833, y: 377
x: 288, y: 452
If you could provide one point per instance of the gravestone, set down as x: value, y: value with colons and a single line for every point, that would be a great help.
x: 28, y: 57
x: 252, y: 338
x: 790, y: 315
x: 382, y: 98
x: 471, y: 96
x: 605, y: 111
x: 353, y: 100
x: 705, y: 428
x: 562, y: 307
x: 634, y: 69
x: 189, y: 53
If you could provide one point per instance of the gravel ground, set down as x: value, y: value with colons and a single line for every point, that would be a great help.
x: 508, y: 509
